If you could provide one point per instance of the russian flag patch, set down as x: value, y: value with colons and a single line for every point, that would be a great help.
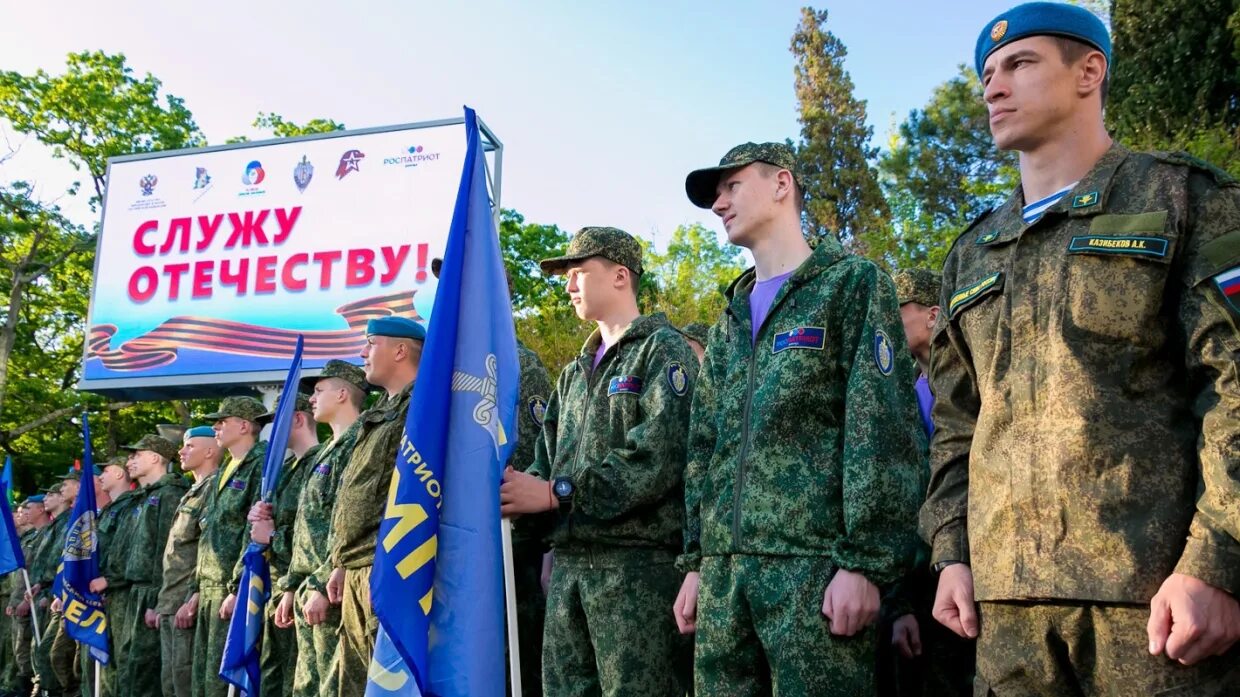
x: 1228, y: 284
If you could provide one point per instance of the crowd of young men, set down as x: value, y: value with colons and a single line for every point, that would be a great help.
x: 734, y: 510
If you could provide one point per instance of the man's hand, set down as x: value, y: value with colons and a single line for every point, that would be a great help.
x: 23, y: 609
x: 187, y: 613
x: 315, y: 608
x: 227, y: 607
x: 850, y: 602
x: 284, y: 611
x: 260, y: 511
x: 335, y: 587
x: 685, y: 608
x: 56, y: 605
x: 906, y: 636
x: 523, y: 493
x: 151, y: 618
x: 1192, y: 620
x: 953, y: 601
x: 261, y: 530
x: 98, y: 585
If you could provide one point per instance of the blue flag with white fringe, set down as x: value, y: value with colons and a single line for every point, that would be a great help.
x: 240, y: 663
x: 11, y: 557
x: 85, y: 619
x: 439, y: 562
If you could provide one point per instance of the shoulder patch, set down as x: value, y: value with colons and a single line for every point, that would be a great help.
x: 987, y: 238
x: 1228, y: 284
x: 323, y: 469
x: 884, y: 353
x: 966, y: 295
x: 536, y: 407
x: 677, y: 379
x: 624, y: 384
x: 238, y: 484
x: 1085, y: 200
x: 814, y: 338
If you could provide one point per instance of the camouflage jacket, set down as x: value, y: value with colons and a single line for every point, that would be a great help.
x: 284, y: 507
x: 617, y: 433
x: 807, y: 441
x: 43, y: 570
x: 181, y: 551
x: 1087, y: 394
x: 364, y: 484
x: 17, y: 591
x: 157, y: 510
x: 116, y: 525
x: 311, y: 530
x: 534, y: 391
x: 226, y: 530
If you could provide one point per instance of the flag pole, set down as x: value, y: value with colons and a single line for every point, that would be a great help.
x: 510, y: 602
x: 97, y: 679
x: 34, y: 615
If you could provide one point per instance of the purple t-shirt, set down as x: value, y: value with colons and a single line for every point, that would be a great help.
x: 760, y: 299
x: 598, y: 355
x: 925, y: 401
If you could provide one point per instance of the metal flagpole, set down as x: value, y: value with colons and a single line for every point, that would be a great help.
x: 510, y: 602
x: 34, y: 614
x: 98, y: 668
x: 232, y: 690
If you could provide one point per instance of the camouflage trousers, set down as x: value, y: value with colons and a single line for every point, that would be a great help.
x: 1086, y: 649
x: 23, y: 640
x: 278, y: 656
x: 8, y: 661
x: 176, y: 649
x: 140, y: 674
x: 760, y: 631
x: 117, y: 602
x: 209, y: 634
x: 531, y: 610
x: 317, y: 651
x: 358, y: 627
x: 56, y: 660
x: 609, y: 628
x: 945, y: 667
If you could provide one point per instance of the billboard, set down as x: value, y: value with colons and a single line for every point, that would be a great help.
x: 211, y: 261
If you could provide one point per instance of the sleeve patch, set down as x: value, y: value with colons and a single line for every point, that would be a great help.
x: 537, y: 408
x: 677, y: 379
x: 884, y: 353
x: 1228, y: 284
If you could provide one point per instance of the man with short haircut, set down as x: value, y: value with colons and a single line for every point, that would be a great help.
x: 200, y: 456
x: 32, y: 540
x: 223, y: 539
x: 805, y: 456
x: 1085, y: 462
x: 54, y: 656
x: 117, y: 508
x: 160, y: 493
x: 610, y: 463
x: 390, y: 359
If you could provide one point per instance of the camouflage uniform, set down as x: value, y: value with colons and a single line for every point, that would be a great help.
x: 176, y: 646
x: 8, y: 662
x: 32, y: 543
x: 527, y: 543
x: 116, y: 524
x: 355, y: 528
x: 616, y: 432
x: 771, y: 516
x: 1085, y: 368
x: 44, y: 573
x: 225, y: 533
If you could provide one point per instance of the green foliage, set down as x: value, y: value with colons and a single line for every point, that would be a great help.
x: 279, y: 128
x: 523, y: 245
x: 686, y: 282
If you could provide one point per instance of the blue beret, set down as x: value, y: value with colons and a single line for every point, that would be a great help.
x: 200, y: 432
x: 1040, y: 19
x: 37, y: 498
x: 400, y: 327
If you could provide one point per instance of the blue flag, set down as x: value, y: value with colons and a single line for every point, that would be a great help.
x: 11, y: 557
x: 439, y: 562
x: 85, y: 619
x: 240, y: 663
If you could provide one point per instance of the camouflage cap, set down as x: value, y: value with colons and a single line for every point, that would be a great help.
x: 698, y: 331
x: 343, y: 370
x: 156, y: 444
x: 701, y: 183
x: 303, y: 404
x: 246, y: 408
x: 610, y: 243
x: 116, y: 460
x: 919, y: 286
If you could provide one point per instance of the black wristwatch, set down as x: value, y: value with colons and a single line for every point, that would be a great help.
x: 563, y: 489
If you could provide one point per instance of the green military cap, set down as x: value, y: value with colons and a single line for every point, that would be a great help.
x: 343, y: 370
x: 698, y: 331
x: 118, y: 460
x: 610, y: 243
x: 303, y: 404
x: 156, y: 444
x: 919, y: 286
x: 71, y: 474
x: 246, y: 408
x: 701, y: 183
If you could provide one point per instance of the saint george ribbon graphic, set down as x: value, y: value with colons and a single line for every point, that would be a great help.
x: 159, y: 346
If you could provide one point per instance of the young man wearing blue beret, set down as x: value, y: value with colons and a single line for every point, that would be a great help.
x: 1085, y: 465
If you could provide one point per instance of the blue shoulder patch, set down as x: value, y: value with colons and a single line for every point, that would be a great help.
x: 323, y: 469
x: 814, y: 338
x: 238, y: 484
x: 537, y: 407
x: 624, y: 384
x: 677, y: 379
x: 884, y: 353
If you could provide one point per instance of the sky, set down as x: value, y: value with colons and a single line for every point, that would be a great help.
x: 602, y: 107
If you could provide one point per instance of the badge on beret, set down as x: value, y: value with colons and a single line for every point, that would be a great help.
x: 677, y: 379
x: 537, y: 407
x: 997, y: 31
x: 884, y: 354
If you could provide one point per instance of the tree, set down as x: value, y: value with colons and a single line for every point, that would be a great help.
x: 523, y: 245
x: 842, y: 192
x: 280, y: 128
x: 687, y: 281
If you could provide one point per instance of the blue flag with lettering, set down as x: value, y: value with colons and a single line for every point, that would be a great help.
x: 240, y: 663
x: 85, y: 619
x: 439, y: 562
x: 11, y: 557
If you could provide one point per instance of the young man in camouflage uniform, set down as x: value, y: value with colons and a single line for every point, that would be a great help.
x: 159, y: 495
x: 272, y: 524
x: 805, y: 456
x: 23, y: 641
x: 336, y: 397
x: 55, y: 656
x: 390, y: 359
x: 200, y: 456
x: 1085, y: 462
x: 116, y: 520
x: 611, y: 464
x: 223, y: 537
x: 8, y: 582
